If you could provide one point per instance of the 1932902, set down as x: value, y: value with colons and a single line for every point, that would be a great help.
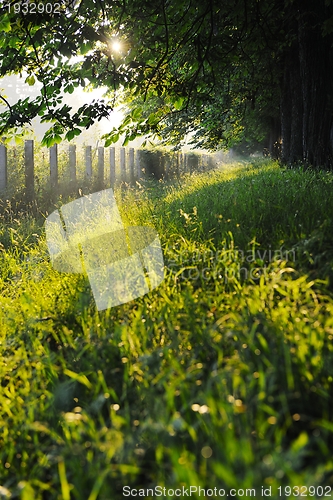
x: 34, y: 8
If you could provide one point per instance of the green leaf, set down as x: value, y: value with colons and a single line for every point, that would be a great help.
x: 5, y: 25
x: 18, y: 140
x: 300, y: 442
x: 85, y: 48
x: 126, y: 121
x: 69, y: 89
x: 30, y: 80
x: 46, y: 141
x: 111, y: 140
x: 136, y: 113
x: 133, y: 136
x: 57, y: 139
x: 179, y: 103
x: 152, y: 119
x: 70, y: 135
x: 81, y: 378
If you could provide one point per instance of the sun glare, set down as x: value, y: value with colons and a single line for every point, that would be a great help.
x: 116, y: 46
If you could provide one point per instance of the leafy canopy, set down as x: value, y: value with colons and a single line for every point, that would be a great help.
x: 184, y: 66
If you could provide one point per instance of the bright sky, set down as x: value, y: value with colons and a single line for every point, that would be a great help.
x: 14, y: 87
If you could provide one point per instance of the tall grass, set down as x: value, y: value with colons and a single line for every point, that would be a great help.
x: 221, y: 377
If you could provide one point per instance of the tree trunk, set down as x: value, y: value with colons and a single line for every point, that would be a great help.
x: 315, y: 55
x: 306, y: 104
x: 274, y: 138
x: 296, y: 110
x: 285, y: 107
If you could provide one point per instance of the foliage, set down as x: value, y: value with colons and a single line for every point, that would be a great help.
x: 226, y: 73
x: 198, y: 59
x: 218, y: 377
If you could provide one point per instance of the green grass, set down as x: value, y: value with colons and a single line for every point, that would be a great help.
x: 221, y: 377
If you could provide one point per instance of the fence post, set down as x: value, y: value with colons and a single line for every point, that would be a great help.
x: 138, y: 164
x: 72, y: 163
x: 3, y: 167
x: 185, y: 162
x: 88, y: 161
x: 161, y: 166
x: 167, y: 166
x: 123, y: 164
x: 29, y: 169
x: 200, y: 163
x: 178, y: 164
x: 181, y: 163
x: 193, y: 162
x: 54, y: 166
x: 100, y: 168
x: 112, y: 167
x: 131, y: 166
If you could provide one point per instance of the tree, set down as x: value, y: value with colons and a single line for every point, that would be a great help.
x: 244, y: 70
x: 306, y: 89
x: 223, y: 79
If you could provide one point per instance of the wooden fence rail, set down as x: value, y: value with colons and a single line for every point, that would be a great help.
x: 133, y: 164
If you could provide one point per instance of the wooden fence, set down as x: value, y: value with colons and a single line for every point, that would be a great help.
x: 132, y: 165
